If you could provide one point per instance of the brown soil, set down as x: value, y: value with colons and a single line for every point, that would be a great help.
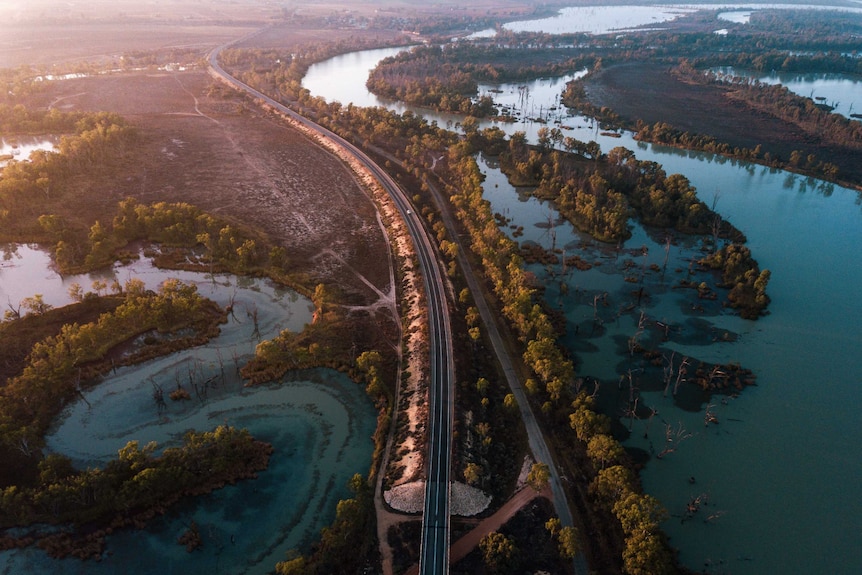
x: 205, y: 145
x: 649, y: 92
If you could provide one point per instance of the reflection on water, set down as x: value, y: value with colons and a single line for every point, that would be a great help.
x: 319, y: 422
x: 594, y: 20
x: 20, y: 148
x: 840, y: 92
x: 787, y: 452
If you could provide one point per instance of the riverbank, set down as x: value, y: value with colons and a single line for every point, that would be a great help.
x: 652, y: 93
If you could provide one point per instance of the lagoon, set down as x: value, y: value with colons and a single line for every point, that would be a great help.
x: 319, y: 422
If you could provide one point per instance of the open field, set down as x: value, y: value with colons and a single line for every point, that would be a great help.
x: 204, y: 146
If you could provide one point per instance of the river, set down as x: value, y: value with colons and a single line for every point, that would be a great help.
x: 319, y: 422
x: 781, y: 468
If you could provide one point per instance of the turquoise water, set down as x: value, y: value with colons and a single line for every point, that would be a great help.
x: 781, y: 467
x: 319, y: 423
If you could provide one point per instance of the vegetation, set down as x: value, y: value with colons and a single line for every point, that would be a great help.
x: 446, y: 77
x: 68, y: 347
x: 129, y: 490
x: 346, y: 545
x: 741, y: 274
x: 600, y: 192
x: 626, y: 519
x: 58, y: 366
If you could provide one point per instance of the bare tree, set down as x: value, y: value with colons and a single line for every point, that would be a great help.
x: 667, y: 370
x: 673, y: 436
x: 680, y: 374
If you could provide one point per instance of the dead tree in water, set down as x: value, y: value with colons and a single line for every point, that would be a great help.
x: 680, y: 375
x: 667, y: 371
x: 159, y: 397
x: 253, y: 315
x: 666, y: 255
x: 634, y: 398
x: 709, y: 416
x: 634, y: 340
x: 672, y: 438
x: 220, y: 362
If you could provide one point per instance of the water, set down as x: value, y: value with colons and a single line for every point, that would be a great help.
x: 21, y: 147
x: 620, y: 19
x: 599, y: 19
x: 843, y: 93
x: 781, y: 467
x: 319, y: 422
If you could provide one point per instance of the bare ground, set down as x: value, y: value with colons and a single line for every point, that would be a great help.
x: 204, y: 145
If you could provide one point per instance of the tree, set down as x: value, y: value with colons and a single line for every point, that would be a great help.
x: 570, y: 543
x: 644, y: 554
x: 612, y: 483
x: 539, y: 476
x: 321, y: 296
x: 295, y: 566
x: 36, y: 305
x: 498, y: 552
x: 472, y: 473
x: 604, y: 449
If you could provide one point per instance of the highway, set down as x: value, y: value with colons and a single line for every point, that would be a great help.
x: 434, y: 553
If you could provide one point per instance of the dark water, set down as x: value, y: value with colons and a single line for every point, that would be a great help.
x: 780, y: 469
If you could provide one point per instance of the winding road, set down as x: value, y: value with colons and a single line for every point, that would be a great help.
x: 434, y: 554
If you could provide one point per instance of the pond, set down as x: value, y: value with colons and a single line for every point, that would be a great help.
x: 319, y: 422
x: 787, y: 453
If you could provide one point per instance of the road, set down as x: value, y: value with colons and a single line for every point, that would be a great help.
x: 434, y: 554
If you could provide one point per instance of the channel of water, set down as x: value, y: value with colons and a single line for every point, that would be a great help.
x: 319, y: 422
x: 781, y: 467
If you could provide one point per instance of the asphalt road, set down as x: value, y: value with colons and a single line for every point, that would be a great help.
x: 434, y: 554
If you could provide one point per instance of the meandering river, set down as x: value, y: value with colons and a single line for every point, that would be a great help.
x: 780, y: 470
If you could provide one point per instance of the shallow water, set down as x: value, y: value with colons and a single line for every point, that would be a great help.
x: 21, y: 147
x: 843, y: 93
x: 780, y: 468
x: 319, y: 422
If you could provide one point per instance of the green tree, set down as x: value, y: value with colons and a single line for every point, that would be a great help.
x: 569, y: 541
x: 472, y: 473
x: 604, y: 449
x: 539, y: 476
x: 498, y: 552
x: 36, y: 305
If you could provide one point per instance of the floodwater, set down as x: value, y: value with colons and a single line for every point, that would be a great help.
x: 620, y: 19
x: 594, y: 20
x: 319, y: 423
x: 21, y: 147
x: 780, y: 468
x: 841, y: 92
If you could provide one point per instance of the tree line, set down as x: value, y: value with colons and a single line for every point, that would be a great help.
x: 554, y: 387
x: 60, y: 366
x: 128, y: 491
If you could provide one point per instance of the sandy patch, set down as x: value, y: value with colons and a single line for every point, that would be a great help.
x: 466, y: 501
